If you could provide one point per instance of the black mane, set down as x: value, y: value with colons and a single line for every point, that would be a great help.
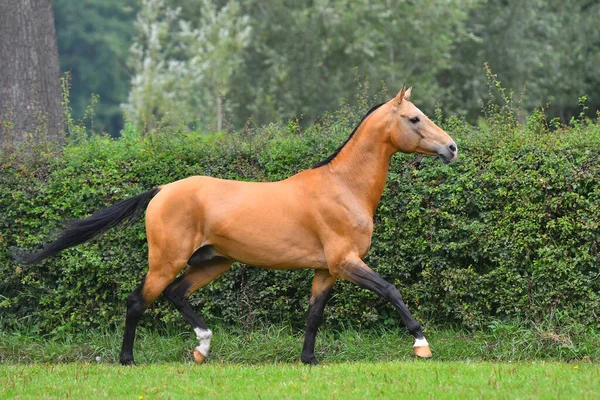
x: 336, y: 152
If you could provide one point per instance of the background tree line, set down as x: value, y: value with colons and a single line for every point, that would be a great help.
x: 218, y: 64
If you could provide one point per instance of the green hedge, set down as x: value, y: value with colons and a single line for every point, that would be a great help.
x: 509, y: 231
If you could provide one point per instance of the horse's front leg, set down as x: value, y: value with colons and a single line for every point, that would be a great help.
x: 355, y: 270
x: 321, y: 289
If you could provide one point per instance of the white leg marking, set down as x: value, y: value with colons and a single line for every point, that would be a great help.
x: 203, y: 335
x: 420, y: 343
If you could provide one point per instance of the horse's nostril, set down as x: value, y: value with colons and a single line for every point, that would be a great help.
x: 452, y: 147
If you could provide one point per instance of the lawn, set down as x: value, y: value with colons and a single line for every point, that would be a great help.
x: 395, y: 379
x: 507, y: 361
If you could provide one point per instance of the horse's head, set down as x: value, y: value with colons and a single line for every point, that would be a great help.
x: 412, y: 132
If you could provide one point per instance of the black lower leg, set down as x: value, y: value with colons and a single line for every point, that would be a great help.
x: 175, y: 293
x: 135, y: 309
x: 313, y: 320
x: 366, y: 278
x: 414, y: 327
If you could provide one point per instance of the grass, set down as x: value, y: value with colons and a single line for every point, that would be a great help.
x: 392, y: 379
x: 506, y: 361
x: 501, y: 342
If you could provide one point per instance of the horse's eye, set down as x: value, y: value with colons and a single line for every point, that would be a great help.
x: 414, y: 120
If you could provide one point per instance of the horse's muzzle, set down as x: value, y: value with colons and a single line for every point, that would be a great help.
x: 448, y: 154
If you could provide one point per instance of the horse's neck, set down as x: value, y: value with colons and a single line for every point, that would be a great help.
x: 362, y: 165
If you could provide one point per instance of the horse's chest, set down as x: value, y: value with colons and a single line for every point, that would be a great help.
x: 364, y: 232
x: 362, y: 225
x: 360, y: 232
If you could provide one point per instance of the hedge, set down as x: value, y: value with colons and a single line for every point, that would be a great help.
x: 509, y: 231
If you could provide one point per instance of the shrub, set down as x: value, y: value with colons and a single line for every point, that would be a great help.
x: 509, y: 231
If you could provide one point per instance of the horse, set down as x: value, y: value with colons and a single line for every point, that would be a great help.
x: 320, y: 218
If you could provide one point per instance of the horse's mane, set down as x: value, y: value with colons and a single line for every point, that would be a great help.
x: 336, y: 152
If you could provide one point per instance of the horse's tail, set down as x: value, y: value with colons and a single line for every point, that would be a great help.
x: 82, y: 230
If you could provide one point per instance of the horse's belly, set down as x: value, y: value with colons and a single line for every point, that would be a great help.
x: 262, y: 249
x: 265, y: 225
x: 277, y: 240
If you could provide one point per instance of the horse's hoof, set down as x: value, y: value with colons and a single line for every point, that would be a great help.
x: 128, y: 363
x: 310, y: 361
x: 422, y: 351
x: 199, y: 357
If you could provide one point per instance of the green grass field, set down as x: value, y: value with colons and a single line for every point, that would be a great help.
x: 507, y: 361
x: 397, y: 379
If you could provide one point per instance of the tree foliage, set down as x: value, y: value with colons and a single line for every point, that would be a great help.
x: 306, y: 61
x: 280, y: 59
x: 93, y: 43
x: 183, y: 69
x: 543, y: 50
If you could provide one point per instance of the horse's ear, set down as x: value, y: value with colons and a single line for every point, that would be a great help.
x: 401, y: 95
x: 407, y: 93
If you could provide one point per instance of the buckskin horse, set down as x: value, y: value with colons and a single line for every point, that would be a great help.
x: 320, y: 218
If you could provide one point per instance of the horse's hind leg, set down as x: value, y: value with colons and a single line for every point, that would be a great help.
x: 195, y: 277
x: 138, y: 301
x: 135, y: 309
x: 321, y: 289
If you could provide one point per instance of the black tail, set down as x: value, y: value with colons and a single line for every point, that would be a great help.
x: 82, y: 230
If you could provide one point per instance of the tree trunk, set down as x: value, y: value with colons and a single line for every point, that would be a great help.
x: 219, y: 112
x: 30, y: 90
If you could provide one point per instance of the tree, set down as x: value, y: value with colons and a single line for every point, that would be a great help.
x: 30, y: 92
x: 546, y: 49
x: 183, y: 68
x: 307, y: 57
x: 93, y: 46
x: 303, y: 60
